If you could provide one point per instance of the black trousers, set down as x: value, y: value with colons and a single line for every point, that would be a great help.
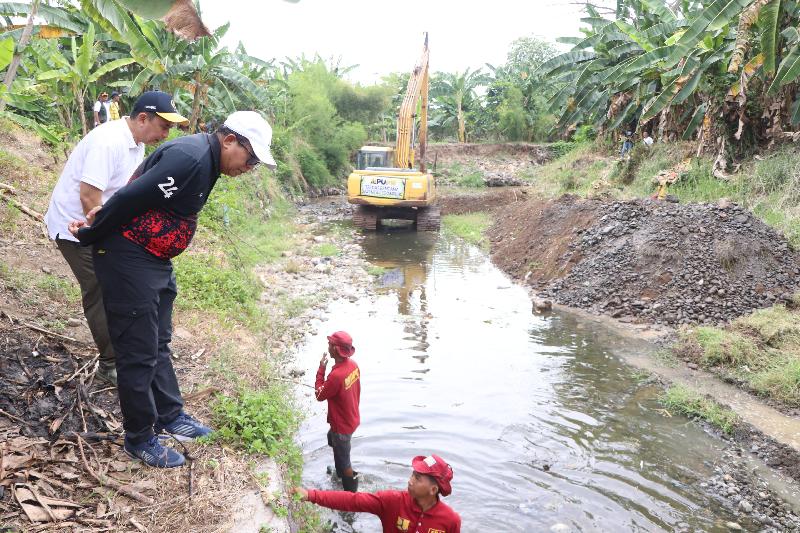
x: 138, y: 292
x: 341, y: 451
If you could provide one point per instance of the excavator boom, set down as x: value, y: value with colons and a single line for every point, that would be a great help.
x: 416, y: 91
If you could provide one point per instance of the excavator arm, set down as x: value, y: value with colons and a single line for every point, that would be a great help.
x: 416, y: 92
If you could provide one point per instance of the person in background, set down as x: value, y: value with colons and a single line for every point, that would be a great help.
x: 648, y: 141
x: 101, y: 109
x: 114, y: 109
x: 99, y: 166
x: 134, y: 237
x: 627, y: 144
x: 342, y: 390
x: 416, y: 509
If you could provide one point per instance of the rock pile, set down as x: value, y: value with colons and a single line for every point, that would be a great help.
x: 500, y: 179
x: 675, y: 264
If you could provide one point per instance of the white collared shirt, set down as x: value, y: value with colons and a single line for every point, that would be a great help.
x: 105, y: 159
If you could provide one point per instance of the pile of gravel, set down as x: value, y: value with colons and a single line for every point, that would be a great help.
x: 669, y: 263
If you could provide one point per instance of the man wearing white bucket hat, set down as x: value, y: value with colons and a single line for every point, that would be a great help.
x: 134, y: 237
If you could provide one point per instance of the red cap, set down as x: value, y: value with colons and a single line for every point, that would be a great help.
x: 437, y: 468
x: 344, y: 342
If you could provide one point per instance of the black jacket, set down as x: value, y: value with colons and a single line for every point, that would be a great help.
x: 158, y: 207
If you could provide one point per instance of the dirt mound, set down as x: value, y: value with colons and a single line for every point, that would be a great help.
x: 534, y: 236
x: 449, y: 151
x: 648, y: 261
x: 460, y: 204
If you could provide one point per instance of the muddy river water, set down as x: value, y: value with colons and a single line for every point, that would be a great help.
x: 545, y: 427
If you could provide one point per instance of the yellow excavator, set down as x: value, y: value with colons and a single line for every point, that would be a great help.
x: 385, y: 184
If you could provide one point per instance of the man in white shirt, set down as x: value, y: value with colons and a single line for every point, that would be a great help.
x: 648, y: 141
x: 100, y: 164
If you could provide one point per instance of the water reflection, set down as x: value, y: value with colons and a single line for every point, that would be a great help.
x: 543, y: 424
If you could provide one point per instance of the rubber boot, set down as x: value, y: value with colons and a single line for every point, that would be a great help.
x: 350, y: 484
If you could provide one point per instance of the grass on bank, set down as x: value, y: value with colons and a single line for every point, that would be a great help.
x: 761, y: 350
x: 471, y: 227
x: 769, y: 185
x: 688, y: 402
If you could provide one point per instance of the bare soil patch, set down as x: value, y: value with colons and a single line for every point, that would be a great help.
x: 459, y: 204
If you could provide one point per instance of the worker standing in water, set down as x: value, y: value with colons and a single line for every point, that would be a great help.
x: 342, y: 390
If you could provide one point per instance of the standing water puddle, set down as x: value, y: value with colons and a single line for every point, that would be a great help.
x: 545, y: 427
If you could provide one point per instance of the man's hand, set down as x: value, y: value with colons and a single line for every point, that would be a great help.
x: 324, y: 360
x: 301, y: 493
x: 74, y: 226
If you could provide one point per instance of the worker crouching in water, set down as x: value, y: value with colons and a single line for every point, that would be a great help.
x: 417, y: 509
x: 342, y: 390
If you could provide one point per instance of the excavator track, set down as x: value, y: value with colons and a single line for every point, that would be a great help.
x: 365, y: 218
x: 429, y: 218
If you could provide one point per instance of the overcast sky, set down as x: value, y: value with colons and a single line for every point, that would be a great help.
x: 383, y: 37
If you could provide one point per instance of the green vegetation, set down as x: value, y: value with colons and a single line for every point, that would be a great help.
x: 59, y: 289
x: 692, y: 404
x: 670, y: 68
x: 461, y: 176
x: 259, y: 421
x: 377, y: 271
x: 327, y: 249
x: 761, y: 350
x: 470, y: 227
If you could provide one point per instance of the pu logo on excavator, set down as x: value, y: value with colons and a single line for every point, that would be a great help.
x: 380, y: 181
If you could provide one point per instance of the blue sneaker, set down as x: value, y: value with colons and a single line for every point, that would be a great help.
x: 184, y: 428
x: 152, y: 453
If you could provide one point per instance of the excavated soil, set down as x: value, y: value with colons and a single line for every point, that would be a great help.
x: 459, y: 204
x: 647, y: 261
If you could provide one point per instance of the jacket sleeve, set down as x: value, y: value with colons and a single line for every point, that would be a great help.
x: 157, y: 187
x: 328, y: 388
x: 359, y: 502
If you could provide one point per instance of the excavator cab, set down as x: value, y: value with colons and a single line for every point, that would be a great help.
x: 374, y: 157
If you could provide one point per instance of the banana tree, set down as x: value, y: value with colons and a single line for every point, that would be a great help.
x: 454, y: 94
x: 80, y: 71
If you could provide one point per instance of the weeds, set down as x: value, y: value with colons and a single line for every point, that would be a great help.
x: 775, y: 326
x: 471, y: 227
x: 781, y: 380
x: 207, y: 283
x: 259, y: 421
x: 690, y: 403
x: 327, y: 249
x: 375, y: 270
x: 722, y: 347
x: 59, y: 289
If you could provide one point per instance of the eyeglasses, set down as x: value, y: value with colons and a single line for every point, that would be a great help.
x: 253, y: 160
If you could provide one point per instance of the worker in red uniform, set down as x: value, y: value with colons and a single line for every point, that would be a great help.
x: 342, y: 390
x: 416, y: 510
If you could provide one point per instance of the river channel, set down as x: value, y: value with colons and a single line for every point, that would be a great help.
x: 545, y: 427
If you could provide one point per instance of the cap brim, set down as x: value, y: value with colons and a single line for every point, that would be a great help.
x: 264, y: 155
x: 173, y: 117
